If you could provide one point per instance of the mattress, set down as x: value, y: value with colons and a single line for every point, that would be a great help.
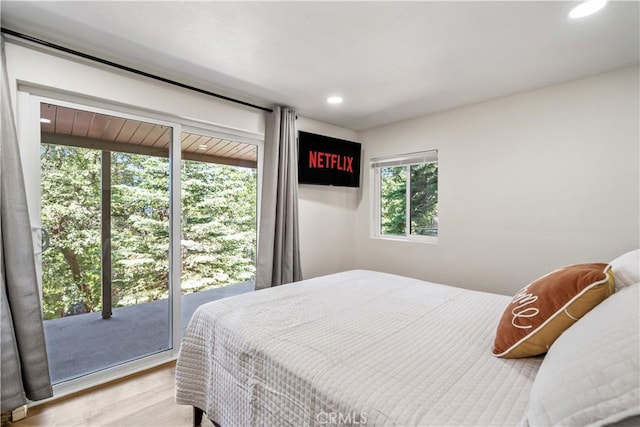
x: 353, y: 348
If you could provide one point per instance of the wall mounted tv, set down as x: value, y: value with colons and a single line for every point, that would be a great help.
x: 323, y: 160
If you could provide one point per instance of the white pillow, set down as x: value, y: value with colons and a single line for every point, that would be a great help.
x: 591, y: 374
x: 626, y: 269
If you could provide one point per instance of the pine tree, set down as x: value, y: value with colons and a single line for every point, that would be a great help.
x: 218, y: 227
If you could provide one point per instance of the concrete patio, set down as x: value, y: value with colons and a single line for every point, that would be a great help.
x: 85, y: 343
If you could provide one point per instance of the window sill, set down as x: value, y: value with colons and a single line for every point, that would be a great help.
x: 429, y: 240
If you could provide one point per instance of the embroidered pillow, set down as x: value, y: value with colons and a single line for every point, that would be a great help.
x: 542, y: 310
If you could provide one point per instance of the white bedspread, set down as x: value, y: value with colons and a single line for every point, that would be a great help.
x: 354, y: 348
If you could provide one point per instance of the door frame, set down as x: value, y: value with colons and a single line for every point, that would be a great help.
x: 28, y: 115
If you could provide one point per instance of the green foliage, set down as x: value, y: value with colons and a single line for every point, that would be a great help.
x: 423, y: 199
x: 218, y: 227
x: 70, y: 194
x: 139, y: 228
x: 218, y: 224
x: 393, y: 200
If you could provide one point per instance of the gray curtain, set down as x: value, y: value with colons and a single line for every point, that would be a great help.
x: 24, y: 373
x: 278, y: 240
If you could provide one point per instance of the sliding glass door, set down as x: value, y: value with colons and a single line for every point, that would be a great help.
x: 137, y: 221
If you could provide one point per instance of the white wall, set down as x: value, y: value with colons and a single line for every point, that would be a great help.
x: 527, y: 183
x: 327, y: 216
x: 37, y: 68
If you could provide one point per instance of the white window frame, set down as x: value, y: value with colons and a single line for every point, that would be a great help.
x: 376, y: 164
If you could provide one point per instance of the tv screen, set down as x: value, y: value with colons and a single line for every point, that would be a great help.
x: 323, y: 160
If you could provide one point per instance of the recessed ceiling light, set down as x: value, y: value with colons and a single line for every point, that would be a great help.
x: 202, y: 147
x: 587, y: 8
x: 334, y: 100
x: 43, y: 120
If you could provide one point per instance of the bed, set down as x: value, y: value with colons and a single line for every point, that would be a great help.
x: 354, y: 348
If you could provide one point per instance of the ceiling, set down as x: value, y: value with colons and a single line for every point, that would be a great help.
x: 389, y: 60
x: 69, y: 126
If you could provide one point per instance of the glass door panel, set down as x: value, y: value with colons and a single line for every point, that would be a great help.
x: 105, y: 219
x: 218, y: 246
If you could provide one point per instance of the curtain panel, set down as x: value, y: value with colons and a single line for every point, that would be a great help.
x: 24, y: 367
x: 278, y: 239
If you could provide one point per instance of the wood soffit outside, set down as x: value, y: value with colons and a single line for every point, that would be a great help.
x: 86, y: 129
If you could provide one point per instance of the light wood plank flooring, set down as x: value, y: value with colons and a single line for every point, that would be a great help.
x: 145, y: 399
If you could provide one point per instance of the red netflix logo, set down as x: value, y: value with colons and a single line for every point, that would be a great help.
x: 320, y: 160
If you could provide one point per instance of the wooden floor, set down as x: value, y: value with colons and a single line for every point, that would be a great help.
x: 146, y: 399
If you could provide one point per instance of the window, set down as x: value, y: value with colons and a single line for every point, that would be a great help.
x: 405, y: 196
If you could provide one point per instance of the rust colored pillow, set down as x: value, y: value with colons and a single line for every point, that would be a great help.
x: 542, y: 310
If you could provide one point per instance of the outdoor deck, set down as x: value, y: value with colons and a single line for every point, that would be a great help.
x: 84, y: 343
